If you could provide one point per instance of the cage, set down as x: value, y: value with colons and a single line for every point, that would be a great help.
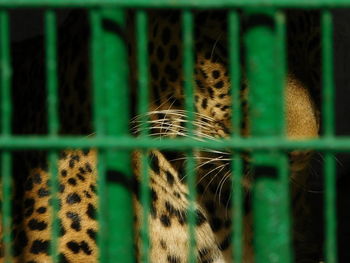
x: 256, y: 56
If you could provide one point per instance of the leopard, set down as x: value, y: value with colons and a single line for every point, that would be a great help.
x: 168, y: 219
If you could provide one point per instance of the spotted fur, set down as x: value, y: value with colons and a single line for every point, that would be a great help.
x: 168, y: 221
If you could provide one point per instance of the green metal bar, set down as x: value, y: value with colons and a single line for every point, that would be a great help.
x: 281, y: 68
x: 142, y: 63
x: 237, y: 211
x: 237, y: 166
x: 6, y: 171
x: 51, y: 71
x: 272, y: 217
x: 143, y: 92
x: 328, y: 125
x: 330, y: 209
x: 191, y: 182
x: 283, y: 163
x: 53, y: 157
x: 327, y: 69
x: 121, y: 237
x: 145, y: 201
x: 6, y: 72
x: 285, y: 215
x: 266, y: 112
x: 53, y: 123
x: 335, y: 145
x: 265, y: 71
x: 188, y: 69
x: 102, y: 215
x: 200, y: 4
x: 98, y: 120
x: 6, y: 110
x: 235, y: 72
x: 112, y: 98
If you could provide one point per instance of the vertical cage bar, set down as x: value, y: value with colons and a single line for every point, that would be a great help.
x: 330, y: 209
x: 102, y: 236
x: 143, y: 92
x: 281, y: 66
x: 237, y: 167
x: 327, y: 69
x: 187, y: 22
x: 98, y: 123
x: 6, y: 110
x: 235, y: 72
x: 112, y: 99
x: 6, y: 72
x: 285, y: 214
x: 283, y: 164
x: 142, y: 65
x: 188, y: 70
x: 118, y: 162
x: 54, y: 205
x: 328, y: 126
x: 264, y: 42
x: 6, y: 205
x: 51, y: 83
x: 237, y: 211
x: 51, y: 71
x: 263, y: 65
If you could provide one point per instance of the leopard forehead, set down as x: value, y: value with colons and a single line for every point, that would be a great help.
x: 210, y: 73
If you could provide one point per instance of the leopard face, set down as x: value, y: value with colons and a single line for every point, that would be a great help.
x: 212, y: 84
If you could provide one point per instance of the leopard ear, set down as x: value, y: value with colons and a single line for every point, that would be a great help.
x: 301, y: 113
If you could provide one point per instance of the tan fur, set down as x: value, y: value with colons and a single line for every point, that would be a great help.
x: 168, y: 224
x: 301, y: 113
x: 83, y: 189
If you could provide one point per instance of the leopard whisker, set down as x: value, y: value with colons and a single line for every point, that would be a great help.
x: 212, y: 179
x: 219, y: 152
x: 167, y: 133
x: 210, y: 161
x: 135, y: 118
x: 221, y: 184
x: 166, y: 126
x: 194, y: 156
x: 181, y: 113
x: 212, y: 170
x: 162, y: 124
x: 295, y: 182
x: 164, y: 102
x: 335, y: 158
x: 214, y: 46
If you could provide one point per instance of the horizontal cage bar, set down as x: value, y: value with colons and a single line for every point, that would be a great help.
x: 126, y: 142
x: 200, y: 4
